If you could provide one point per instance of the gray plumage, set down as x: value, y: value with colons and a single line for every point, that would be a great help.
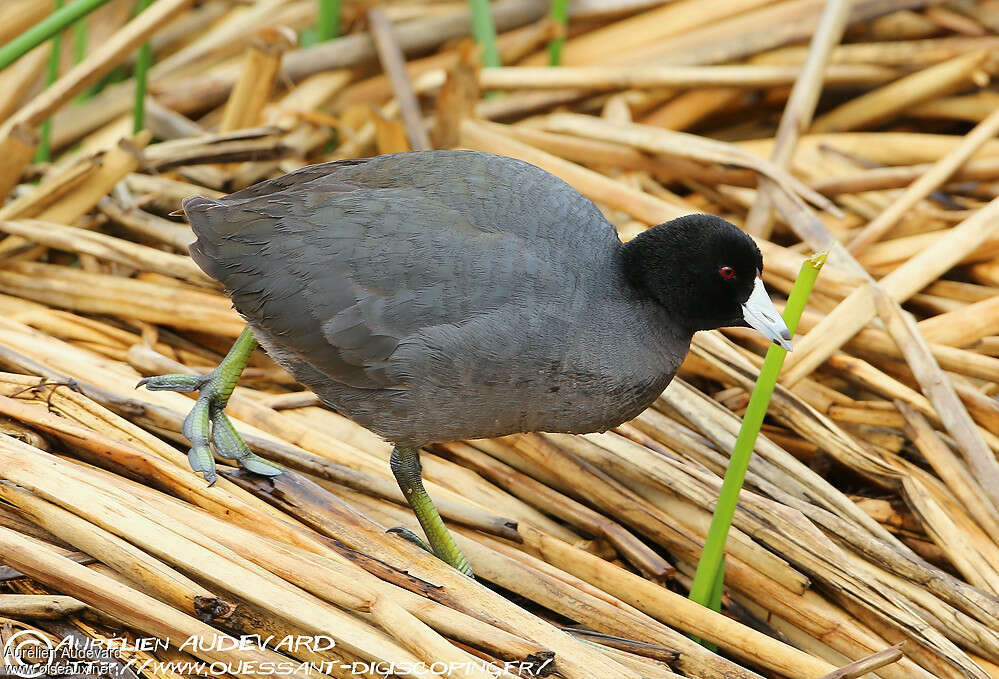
x: 436, y: 296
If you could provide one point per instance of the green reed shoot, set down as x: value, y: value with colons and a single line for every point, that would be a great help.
x: 707, y: 585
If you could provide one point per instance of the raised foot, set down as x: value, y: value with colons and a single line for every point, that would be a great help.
x: 207, y: 426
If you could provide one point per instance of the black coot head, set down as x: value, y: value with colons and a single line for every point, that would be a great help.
x: 699, y: 267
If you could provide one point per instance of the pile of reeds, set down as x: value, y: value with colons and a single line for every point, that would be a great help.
x: 871, y: 511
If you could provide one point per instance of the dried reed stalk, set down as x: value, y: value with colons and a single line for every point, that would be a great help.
x: 858, y: 309
x: 800, y: 108
x: 875, y: 106
x: 578, y: 526
x: 260, y: 69
x: 394, y: 64
x: 610, y: 78
x: 926, y: 184
x: 135, y: 608
x: 111, y: 52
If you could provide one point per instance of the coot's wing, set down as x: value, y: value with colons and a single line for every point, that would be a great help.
x: 351, y: 261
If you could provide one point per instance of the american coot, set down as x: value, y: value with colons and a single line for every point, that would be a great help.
x: 444, y: 295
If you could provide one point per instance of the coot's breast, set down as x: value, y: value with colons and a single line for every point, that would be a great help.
x: 573, y: 373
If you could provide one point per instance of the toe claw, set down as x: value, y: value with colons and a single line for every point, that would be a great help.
x: 258, y: 465
x: 231, y: 446
x: 179, y: 382
x: 409, y: 535
x: 201, y: 461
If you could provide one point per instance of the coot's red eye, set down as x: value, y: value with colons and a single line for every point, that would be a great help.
x: 727, y: 272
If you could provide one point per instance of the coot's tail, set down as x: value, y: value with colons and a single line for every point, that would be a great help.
x: 235, y: 246
x: 207, y: 218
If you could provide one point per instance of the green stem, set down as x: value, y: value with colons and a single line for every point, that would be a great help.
x: 328, y: 26
x: 714, y: 602
x: 560, y: 14
x: 709, y: 568
x: 45, y: 29
x: 484, y: 32
x: 79, y: 40
x: 44, y: 151
x: 142, y: 64
x: 80, y: 50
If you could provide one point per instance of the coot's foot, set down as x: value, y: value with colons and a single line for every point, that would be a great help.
x: 406, y: 468
x: 207, y: 426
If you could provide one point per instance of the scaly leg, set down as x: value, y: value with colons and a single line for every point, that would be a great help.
x: 406, y: 467
x: 207, y: 426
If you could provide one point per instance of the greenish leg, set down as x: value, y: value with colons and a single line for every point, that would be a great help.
x: 406, y: 467
x: 207, y: 425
